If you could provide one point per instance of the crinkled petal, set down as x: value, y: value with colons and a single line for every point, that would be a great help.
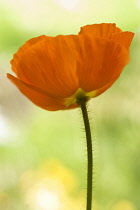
x: 37, y: 96
x: 18, y: 55
x: 51, y: 65
x: 124, y: 38
x: 103, y: 30
x: 102, y: 61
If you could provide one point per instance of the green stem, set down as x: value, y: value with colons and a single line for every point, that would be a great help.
x: 89, y: 153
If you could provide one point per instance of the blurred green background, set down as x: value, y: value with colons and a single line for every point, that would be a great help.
x: 43, y: 154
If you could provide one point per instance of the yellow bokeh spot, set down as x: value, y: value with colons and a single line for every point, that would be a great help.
x: 50, y: 187
x: 4, y: 201
x: 124, y: 205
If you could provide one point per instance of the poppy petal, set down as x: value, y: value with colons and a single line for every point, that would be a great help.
x: 103, y: 30
x: 37, y: 96
x: 124, y: 38
x: 103, y: 60
x: 51, y: 65
x: 104, y: 88
x: 17, y: 56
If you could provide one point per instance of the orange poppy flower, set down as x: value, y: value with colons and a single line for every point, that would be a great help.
x: 53, y: 72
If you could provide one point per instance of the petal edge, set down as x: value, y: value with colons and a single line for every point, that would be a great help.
x: 36, y: 96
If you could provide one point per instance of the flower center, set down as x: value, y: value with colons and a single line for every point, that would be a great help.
x: 79, y: 95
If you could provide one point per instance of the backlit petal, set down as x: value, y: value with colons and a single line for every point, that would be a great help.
x: 51, y: 65
x: 18, y: 55
x: 37, y: 96
x: 102, y: 61
x: 104, y: 88
x: 103, y: 30
x: 54, y: 71
x: 124, y: 38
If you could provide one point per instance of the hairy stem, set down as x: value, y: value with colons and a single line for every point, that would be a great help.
x: 89, y: 153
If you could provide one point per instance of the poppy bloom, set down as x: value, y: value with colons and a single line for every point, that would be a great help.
x: 54, y: 72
